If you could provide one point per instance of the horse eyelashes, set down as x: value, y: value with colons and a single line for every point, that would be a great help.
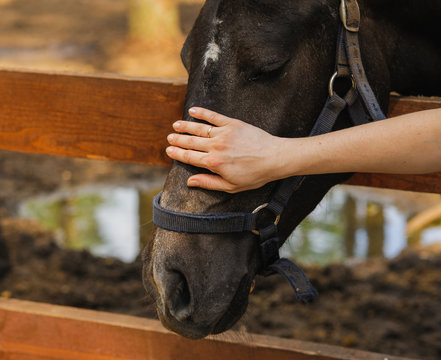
x: 268, y: 72
x: 265, y: 75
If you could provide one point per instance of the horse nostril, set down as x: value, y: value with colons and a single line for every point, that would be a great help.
x: 180, y: 298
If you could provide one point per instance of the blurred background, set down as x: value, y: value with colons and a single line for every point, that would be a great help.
x: 128, y: 37
x: 67, y: 211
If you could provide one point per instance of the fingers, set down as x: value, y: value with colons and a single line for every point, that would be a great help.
x: 210, y: 116
x: 189, y: 142
x: 211, y: 182
x: 202, y: 130
x: 193, y: 128
x: 191, y: 157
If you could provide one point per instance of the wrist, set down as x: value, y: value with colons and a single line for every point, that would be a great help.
x: 303, y: 156
x: 288, y: 159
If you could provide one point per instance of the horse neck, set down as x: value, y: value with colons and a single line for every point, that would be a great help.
x: 408, y: 32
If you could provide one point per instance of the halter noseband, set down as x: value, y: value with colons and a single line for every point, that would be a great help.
x: 348, y: 64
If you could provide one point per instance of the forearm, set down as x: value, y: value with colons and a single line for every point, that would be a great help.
x: 405, y: 144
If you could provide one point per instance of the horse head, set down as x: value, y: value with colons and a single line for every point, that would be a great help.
x: 268, y: 63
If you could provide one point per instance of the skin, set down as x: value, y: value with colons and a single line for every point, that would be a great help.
x: 245, y: 157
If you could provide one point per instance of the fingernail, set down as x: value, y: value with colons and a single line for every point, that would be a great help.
x: 169, y: 150
x: 192, y: 111
x: 177, y: 125
x: 170, y: 137
x: 193, y: 182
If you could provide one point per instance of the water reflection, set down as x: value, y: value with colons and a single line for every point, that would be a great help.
x: 358, y: 223
x: 117, y: 222
x: 73, y: 216
x: 112, y: 222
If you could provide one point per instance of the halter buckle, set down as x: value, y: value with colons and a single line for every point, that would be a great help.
x: 351, y: 21
x: 258, y: 209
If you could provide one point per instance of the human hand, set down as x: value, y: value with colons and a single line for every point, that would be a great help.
x: 243, y: 156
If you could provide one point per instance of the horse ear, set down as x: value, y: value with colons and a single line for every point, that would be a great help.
x: 192, y: 40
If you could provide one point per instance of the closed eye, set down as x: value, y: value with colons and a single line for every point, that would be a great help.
x: 267, y: 72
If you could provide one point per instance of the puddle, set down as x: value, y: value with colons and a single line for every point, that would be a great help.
x: 109, y: 222
x: 116, y: 222
x: 357, y: 223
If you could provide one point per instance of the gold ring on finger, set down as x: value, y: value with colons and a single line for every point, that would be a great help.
x: 209, y: 131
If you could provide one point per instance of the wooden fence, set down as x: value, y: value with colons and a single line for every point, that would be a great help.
x: 31, y: 331
x: 127, y: 119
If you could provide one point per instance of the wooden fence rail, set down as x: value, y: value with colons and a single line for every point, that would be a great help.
x: 32, y: 331
x: 125, y: 119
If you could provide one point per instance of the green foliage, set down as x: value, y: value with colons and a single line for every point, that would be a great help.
x: 73, y: 217
x: 319, y: 239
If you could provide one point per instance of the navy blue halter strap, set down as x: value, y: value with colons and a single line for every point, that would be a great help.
x: 358, y: 99
x: 216, y: 223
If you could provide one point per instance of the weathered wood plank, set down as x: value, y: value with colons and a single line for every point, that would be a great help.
x: 115, y: 118
x: 125, y: 119
x: 404, y: 105
x: 34, y: 331
x: 430, y: 183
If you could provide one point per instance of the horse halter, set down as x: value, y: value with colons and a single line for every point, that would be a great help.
x: 349, y: 65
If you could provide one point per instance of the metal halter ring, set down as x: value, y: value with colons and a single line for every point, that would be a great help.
x: 331, y: 83
x: 261, y: 207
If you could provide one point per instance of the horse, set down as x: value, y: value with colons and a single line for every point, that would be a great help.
x: 268, y: 62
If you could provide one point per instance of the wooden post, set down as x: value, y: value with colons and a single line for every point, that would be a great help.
x: 375, y: 229
x: 153, y: 20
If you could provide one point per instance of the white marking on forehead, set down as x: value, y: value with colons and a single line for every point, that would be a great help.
x: 213, y: 50
x: 212, y: 53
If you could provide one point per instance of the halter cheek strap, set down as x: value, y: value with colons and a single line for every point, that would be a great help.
x: 362, y: 107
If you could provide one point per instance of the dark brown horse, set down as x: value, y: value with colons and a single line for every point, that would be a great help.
x: 268, y: 62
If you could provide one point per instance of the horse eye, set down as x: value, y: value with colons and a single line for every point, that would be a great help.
x: 268, y: 72
x: 256, y: 76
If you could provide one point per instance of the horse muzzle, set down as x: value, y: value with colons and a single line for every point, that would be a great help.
x: 201, y: 283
